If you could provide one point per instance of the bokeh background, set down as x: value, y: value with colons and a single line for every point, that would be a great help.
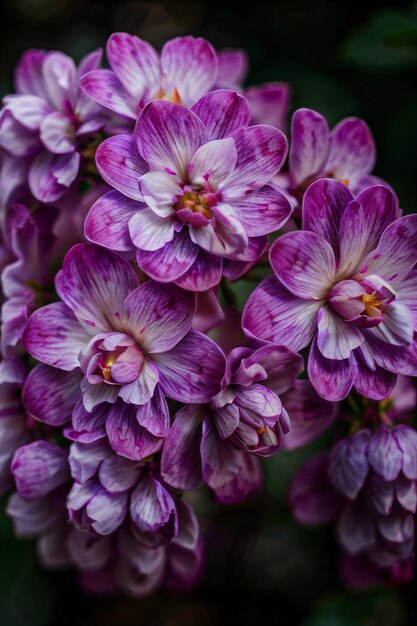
x: 342, y: 57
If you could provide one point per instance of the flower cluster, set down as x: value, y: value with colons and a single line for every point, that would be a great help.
x: 132, y: 201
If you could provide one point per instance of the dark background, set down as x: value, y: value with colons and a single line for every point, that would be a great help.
x: 341, y: 58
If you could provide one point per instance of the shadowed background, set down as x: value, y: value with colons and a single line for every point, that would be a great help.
x: 341, y: 58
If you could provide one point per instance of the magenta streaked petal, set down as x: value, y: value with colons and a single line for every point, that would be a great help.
x: 269, y: 104
x: 28, y: 110
x: 222, y: 112
x: 309, y: 145
x: 94, y: 283
x: 191, y: 372
x: 304, y: 262
x: 118, y: 474
x: 126, y: 436
x: 213, y: 163
x: 38, y: 468
x: 396, y: 327
x: 150, y: 232
x: 336, y: 339
x: 120, y: 165
x: 87, y: 427
x: 204, y: 273
x: 274, y: 314
x: 154, y: 415
x: 181, y: 461
x: 28, y: 76
x: 159, y: 316
x: 376, y: 383
x: 167, y: 136
x: 226, y: 236
x: 324, y: 203
x: 54, y: 336
x: 107, y: 222
x: 15, y: 138
x: 51, y: 175
x: 189, y: 64
x: 396, y: 253
x: 135, y: 62
x: 170, y: 262
x: 50, y: 395
x: 261, y: 151
x: 151, y: 505
x: 104, y: 87
x: 61, y: 79
x: 233, y: 66
x: 221, y: 462
x: 57, y: 133
x: 348, y: 464
x: 141, y: 390
x: 352, y: 150
x: 332, y: 379
x: 91, y: 61
x: 263, y: 211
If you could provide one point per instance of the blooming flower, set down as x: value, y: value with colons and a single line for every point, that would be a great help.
x: 207, y: 192
x: 49, y: 121
x: 345, y: 282
x: 346, y: 153
x: 185, y: 71
x: 211, y: 442
x: 119, y: 340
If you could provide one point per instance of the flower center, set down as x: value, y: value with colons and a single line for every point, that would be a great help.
x: 196, y: 202
x: 372, y: 304
x: 174, y: 96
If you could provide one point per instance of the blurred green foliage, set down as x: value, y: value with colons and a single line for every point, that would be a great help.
x: 342, y: 58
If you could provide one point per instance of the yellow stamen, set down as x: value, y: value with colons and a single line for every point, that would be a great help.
x: 345, y: 181
x: 173, y: 97
x: 371, y: 303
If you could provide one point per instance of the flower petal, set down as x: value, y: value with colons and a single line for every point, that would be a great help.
x: 191, y: 372
x: 107, y: 222
x: 204, y: 273
x: 120, y: 165
x: 352, y: 151
x: 57, y: 133
x: 332, y: 379
x: 269, y: 104
x: 50, y: 395
x: 159, y: 316
x: 263, y: 211
x: 213, y: 163
x: 222, y: 112
x: 126, y: 436
x: 104, y: 87
x: 384, y: 454
x: 348, y: 464
x: 160, y: 191
x: 170, y: 262
x: 309, y: 145
x: 39, y: 468
x: 274, y: 314
x: 50, y: 175
x: 304, y: 262
x: 336, y: 339
x: 149, y: 232
x: 94, y: 283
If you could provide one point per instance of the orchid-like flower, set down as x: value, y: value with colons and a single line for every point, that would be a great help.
x: 120, y: 341
x: 346, y: 283
x: 49, y: 122
x: 206, y: 197
x: 185, y: 71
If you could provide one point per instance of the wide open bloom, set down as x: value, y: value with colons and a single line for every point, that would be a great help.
x: 268, y: 103
x: 127, y: 345
x: 368, y: 484
x: 346, y: 153
x: 206, y: 195
x: 185, y: 71
x: 49, y: 122
x: 215, y: 442
x: 346, y: 283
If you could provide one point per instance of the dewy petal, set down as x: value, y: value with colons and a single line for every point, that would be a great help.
x: 274, y: 314
x: 107, y: 222
x: 50, y: 395
x: 54, y: 336
x: 204, y: 273
x: 352, y: 151
x: 104, y: 87
x: 159, y: 316
x: 189, y: 64
x: 222, y: 112
x: 261, y: 151
x: 180, y: 460
x: 324, y: 203
x: 135, y: 62
x: 305, y: 264
x: 167, y: 136
x: 160, y: 191
x: 336, y: 339
x: 191, y: 372
x: 170, y: 262
x: 309, y: 145
x: 396, y: 253
x: 213, y: 163
x: 94, y: 283
x: 120, y: 165
x: 348, y: 464
x: 332, y: 379
x: 57, y: 133
x: 126, y: 436
x: 263, y: 211
x: 150, y: 232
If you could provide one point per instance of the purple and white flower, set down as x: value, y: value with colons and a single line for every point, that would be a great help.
x: 206, y: 197
x: 346, y: 283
